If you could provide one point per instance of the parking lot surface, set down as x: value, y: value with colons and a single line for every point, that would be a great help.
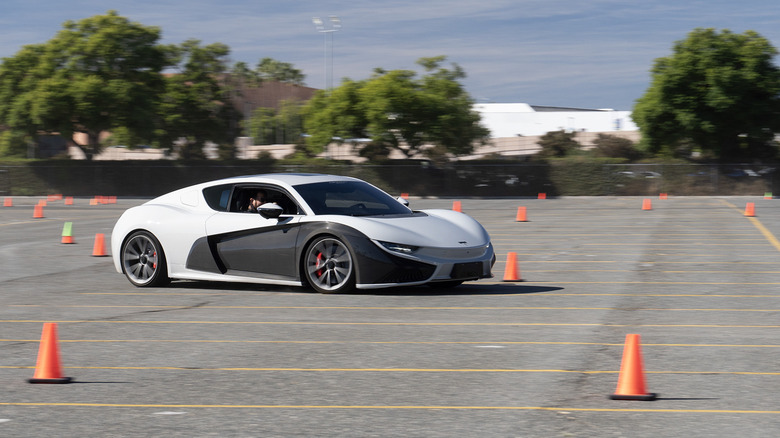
x: 695, y: 277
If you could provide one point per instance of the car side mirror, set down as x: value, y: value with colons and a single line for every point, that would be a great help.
x: 403, y: 201
x: 270, y: 210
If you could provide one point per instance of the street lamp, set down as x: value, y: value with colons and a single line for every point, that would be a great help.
x: 328, y: 29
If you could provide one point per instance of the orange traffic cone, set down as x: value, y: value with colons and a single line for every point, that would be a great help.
x: 8, y: 202
x: 511, y: 272
x: 42, y: 202
x: 647, y: 204
x: 69, y: 200
x: 38, y: 211
x: 541, y: 196
x: 405, y: 195
x: 456, y: 206
x: 631, y: 381
x: 48, y: 368
x: 521, y: 216
x: 750, y: 209
x: 93, y: 201
x: 99, y: 250
x: 663, y: 196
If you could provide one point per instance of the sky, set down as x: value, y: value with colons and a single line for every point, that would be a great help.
x: 584, y: 54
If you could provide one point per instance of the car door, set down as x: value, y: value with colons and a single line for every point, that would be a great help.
x: 248, y: 244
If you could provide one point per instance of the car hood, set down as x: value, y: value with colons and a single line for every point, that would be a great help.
x: 431, y: 228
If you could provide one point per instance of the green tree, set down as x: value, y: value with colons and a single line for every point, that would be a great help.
x: 557, y: 144
x: 612, y: 146
x: 95, y: 75
x: 242, y: 76
x: 267, y: 126
x: 399, y: 110
x: 269, y: 69
x: 719, y: 92
x: 195, y: 108
x: 335, y: 116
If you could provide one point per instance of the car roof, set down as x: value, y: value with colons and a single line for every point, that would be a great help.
x: 283, y: 178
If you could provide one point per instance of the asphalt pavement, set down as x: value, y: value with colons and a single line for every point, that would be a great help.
x: 697, y: 279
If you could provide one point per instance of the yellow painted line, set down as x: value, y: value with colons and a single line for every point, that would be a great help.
x: 743, y: 283
x: 517, y: 286
x: 653, y: 262
x: 233, y: 292
x: 223, y: 341
x: 390, y: 370
x: 544, y: 294
x: 642, y: 254
x: 417, y: 324
x: 654, y: 309
x: 767, y: 234
x: 669, y: 244
x: 709, y: 235
x: 665, y: 272
x: 391, y: 407
x: 761, y: 228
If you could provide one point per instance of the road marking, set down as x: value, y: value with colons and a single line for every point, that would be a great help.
x: 656, y: 262
x: 646, y: 265
x: 391, y: 370
x: 767, y: 234
x: 655, y: 309
x: 419, y: 324
x: 641, y: 282
x: 392, y: 407
x: 761, y: 228
x: 248, y: 341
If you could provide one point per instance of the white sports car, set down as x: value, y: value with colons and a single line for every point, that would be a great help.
x: 332, y: 233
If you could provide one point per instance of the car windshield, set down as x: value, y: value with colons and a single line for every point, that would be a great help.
x: 349, y: 198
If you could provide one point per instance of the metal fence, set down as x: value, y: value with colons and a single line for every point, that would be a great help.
x: 126, y: 178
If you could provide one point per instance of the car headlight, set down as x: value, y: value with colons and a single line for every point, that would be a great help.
x: 398, y: 247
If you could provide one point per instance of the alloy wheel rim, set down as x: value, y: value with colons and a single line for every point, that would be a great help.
x: 329, y: 264
x: 140, y: 259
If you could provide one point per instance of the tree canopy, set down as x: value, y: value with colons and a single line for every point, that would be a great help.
x: 399, y: 110
x: 96, y: 74
x: 267, y: 69
x: 718, y: 92
x: 194, y: 106
x: 109, y: 74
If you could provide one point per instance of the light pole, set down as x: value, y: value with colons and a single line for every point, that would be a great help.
x: 328, y: 30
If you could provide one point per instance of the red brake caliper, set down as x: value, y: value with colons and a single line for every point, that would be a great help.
x: 317, y: 266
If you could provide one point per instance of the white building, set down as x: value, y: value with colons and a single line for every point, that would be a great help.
x: 521, y: 119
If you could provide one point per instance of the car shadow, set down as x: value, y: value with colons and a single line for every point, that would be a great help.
x: 464, y: 289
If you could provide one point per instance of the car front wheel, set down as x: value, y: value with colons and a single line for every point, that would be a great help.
x: 329, y: 267
x: 143, y: 261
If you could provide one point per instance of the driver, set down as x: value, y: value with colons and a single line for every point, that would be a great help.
x: 257, y: 200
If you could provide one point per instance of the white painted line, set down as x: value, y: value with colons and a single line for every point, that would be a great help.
x: 169, y: 413
x: 490, y: 346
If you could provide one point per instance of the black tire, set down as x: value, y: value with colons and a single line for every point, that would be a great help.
x: 328, y: 266
x: 143, y: 260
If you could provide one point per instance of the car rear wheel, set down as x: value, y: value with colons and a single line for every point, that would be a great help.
x: 329, y: 267
x: 143, y: 260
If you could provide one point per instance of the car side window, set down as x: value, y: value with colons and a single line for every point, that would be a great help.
x: 218, y: 197
x: 242, y: 195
